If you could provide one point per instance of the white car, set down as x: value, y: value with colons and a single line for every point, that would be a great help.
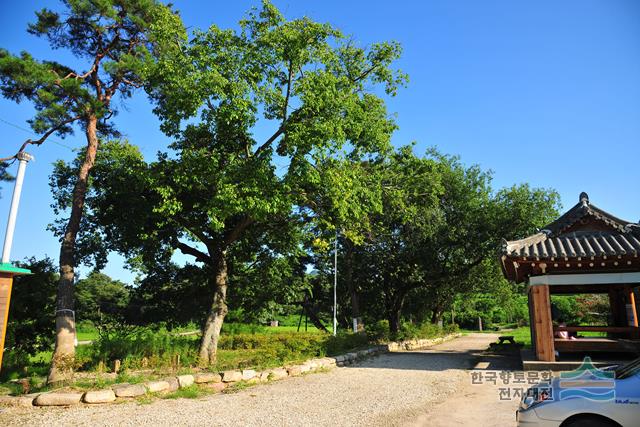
x: 585, y: 398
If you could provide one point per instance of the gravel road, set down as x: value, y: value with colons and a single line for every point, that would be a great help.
x: 392, y: 389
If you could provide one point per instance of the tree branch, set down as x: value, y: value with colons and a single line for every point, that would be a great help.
x: 189, y: 250
x: 42, y: 139
x: 288, y: 94
x: 285, y: 119
x: 201, y: 236
x: 365, y: 73
x: 234, y: 233
x: 269, y: 141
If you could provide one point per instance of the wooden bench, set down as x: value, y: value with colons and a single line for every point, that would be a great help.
x: 508, y: 338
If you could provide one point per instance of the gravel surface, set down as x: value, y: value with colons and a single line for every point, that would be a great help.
x: 391, y: 389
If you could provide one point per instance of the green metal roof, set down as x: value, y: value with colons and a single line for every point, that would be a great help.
x: 6, y: 267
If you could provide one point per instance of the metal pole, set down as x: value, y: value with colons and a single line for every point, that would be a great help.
x: 23, y: 159
x: 335, y: 286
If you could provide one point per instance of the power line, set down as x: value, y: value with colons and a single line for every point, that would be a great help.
x: 33, y: 133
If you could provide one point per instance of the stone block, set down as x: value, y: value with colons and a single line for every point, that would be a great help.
x: 99, y: 396
x: 22, y: 401
x: 294, y: 371
x: 248, y: 374
x: 277, y: 374
x: 207, y: 377
x: 157, y: 386
x: 173, y: 382
x: 305, y: 368
x: 129, y: 390
x: 185, y: 380
x: 231, y: 376
x: 57, y: 399
x: 216, y: 387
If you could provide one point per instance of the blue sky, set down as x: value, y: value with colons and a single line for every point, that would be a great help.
x: 543, y: 92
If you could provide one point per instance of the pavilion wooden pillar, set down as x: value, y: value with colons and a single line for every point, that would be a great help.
x: 632, y: 313
x: 617, y: 305
x: 6, y: 283
x: 7, y: 273
x: 542, y: 326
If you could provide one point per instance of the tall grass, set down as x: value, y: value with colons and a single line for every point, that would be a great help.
x: 160, y: 349
x: 240, y: 346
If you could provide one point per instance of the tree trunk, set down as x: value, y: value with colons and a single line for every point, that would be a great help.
x: 353, y: 294
x: 393, y: 314
x: 394, y: 321
x: 436, y: 315
x: 64, y: 352
x: 213, y: 324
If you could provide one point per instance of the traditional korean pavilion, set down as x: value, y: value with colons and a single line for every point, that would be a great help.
x: 585, y: 251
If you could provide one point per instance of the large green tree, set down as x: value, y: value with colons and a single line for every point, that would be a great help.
x: 256, y: 113
x: 437, y: 234
x: 102, y: 301
x: 109, y: 39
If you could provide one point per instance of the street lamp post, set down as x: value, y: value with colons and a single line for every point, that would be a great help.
x: 23, y: 159
x: 335, y: 286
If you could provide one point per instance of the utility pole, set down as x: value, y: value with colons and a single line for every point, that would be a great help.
x: 23, y: 159
x: 335, y: 286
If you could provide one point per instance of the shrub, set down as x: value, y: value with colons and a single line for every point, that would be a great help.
x: 378, y: 331
x: 344, y: 342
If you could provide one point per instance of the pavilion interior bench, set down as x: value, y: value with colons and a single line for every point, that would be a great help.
x: 597, y: 344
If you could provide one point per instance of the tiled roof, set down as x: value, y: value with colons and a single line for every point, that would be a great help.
x: 574, y: 245
x: 557, y: 240
x: 581, y: 210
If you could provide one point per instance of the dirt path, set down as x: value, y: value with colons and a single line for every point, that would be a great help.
x: 404, y: 388
x: 477, y: 404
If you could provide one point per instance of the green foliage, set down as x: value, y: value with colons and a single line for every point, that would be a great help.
x: 31, y: 324
x: 102, y: 301
x: 159, y: 349
x: 497, y: 302
x: 436, y: 236
x: 116, y: 170
x: 343, y: 343
x: 302, y: 75
x: 110, y: 35
x: 410, y: 331
x: 379, y: 331
x: 581, y: 309
x: 243, y: 207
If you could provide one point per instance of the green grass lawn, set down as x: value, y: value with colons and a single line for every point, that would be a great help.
x: 87, y: 335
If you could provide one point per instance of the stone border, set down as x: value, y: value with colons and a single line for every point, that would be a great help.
x: 214, y: 381
x: 420, y: 343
